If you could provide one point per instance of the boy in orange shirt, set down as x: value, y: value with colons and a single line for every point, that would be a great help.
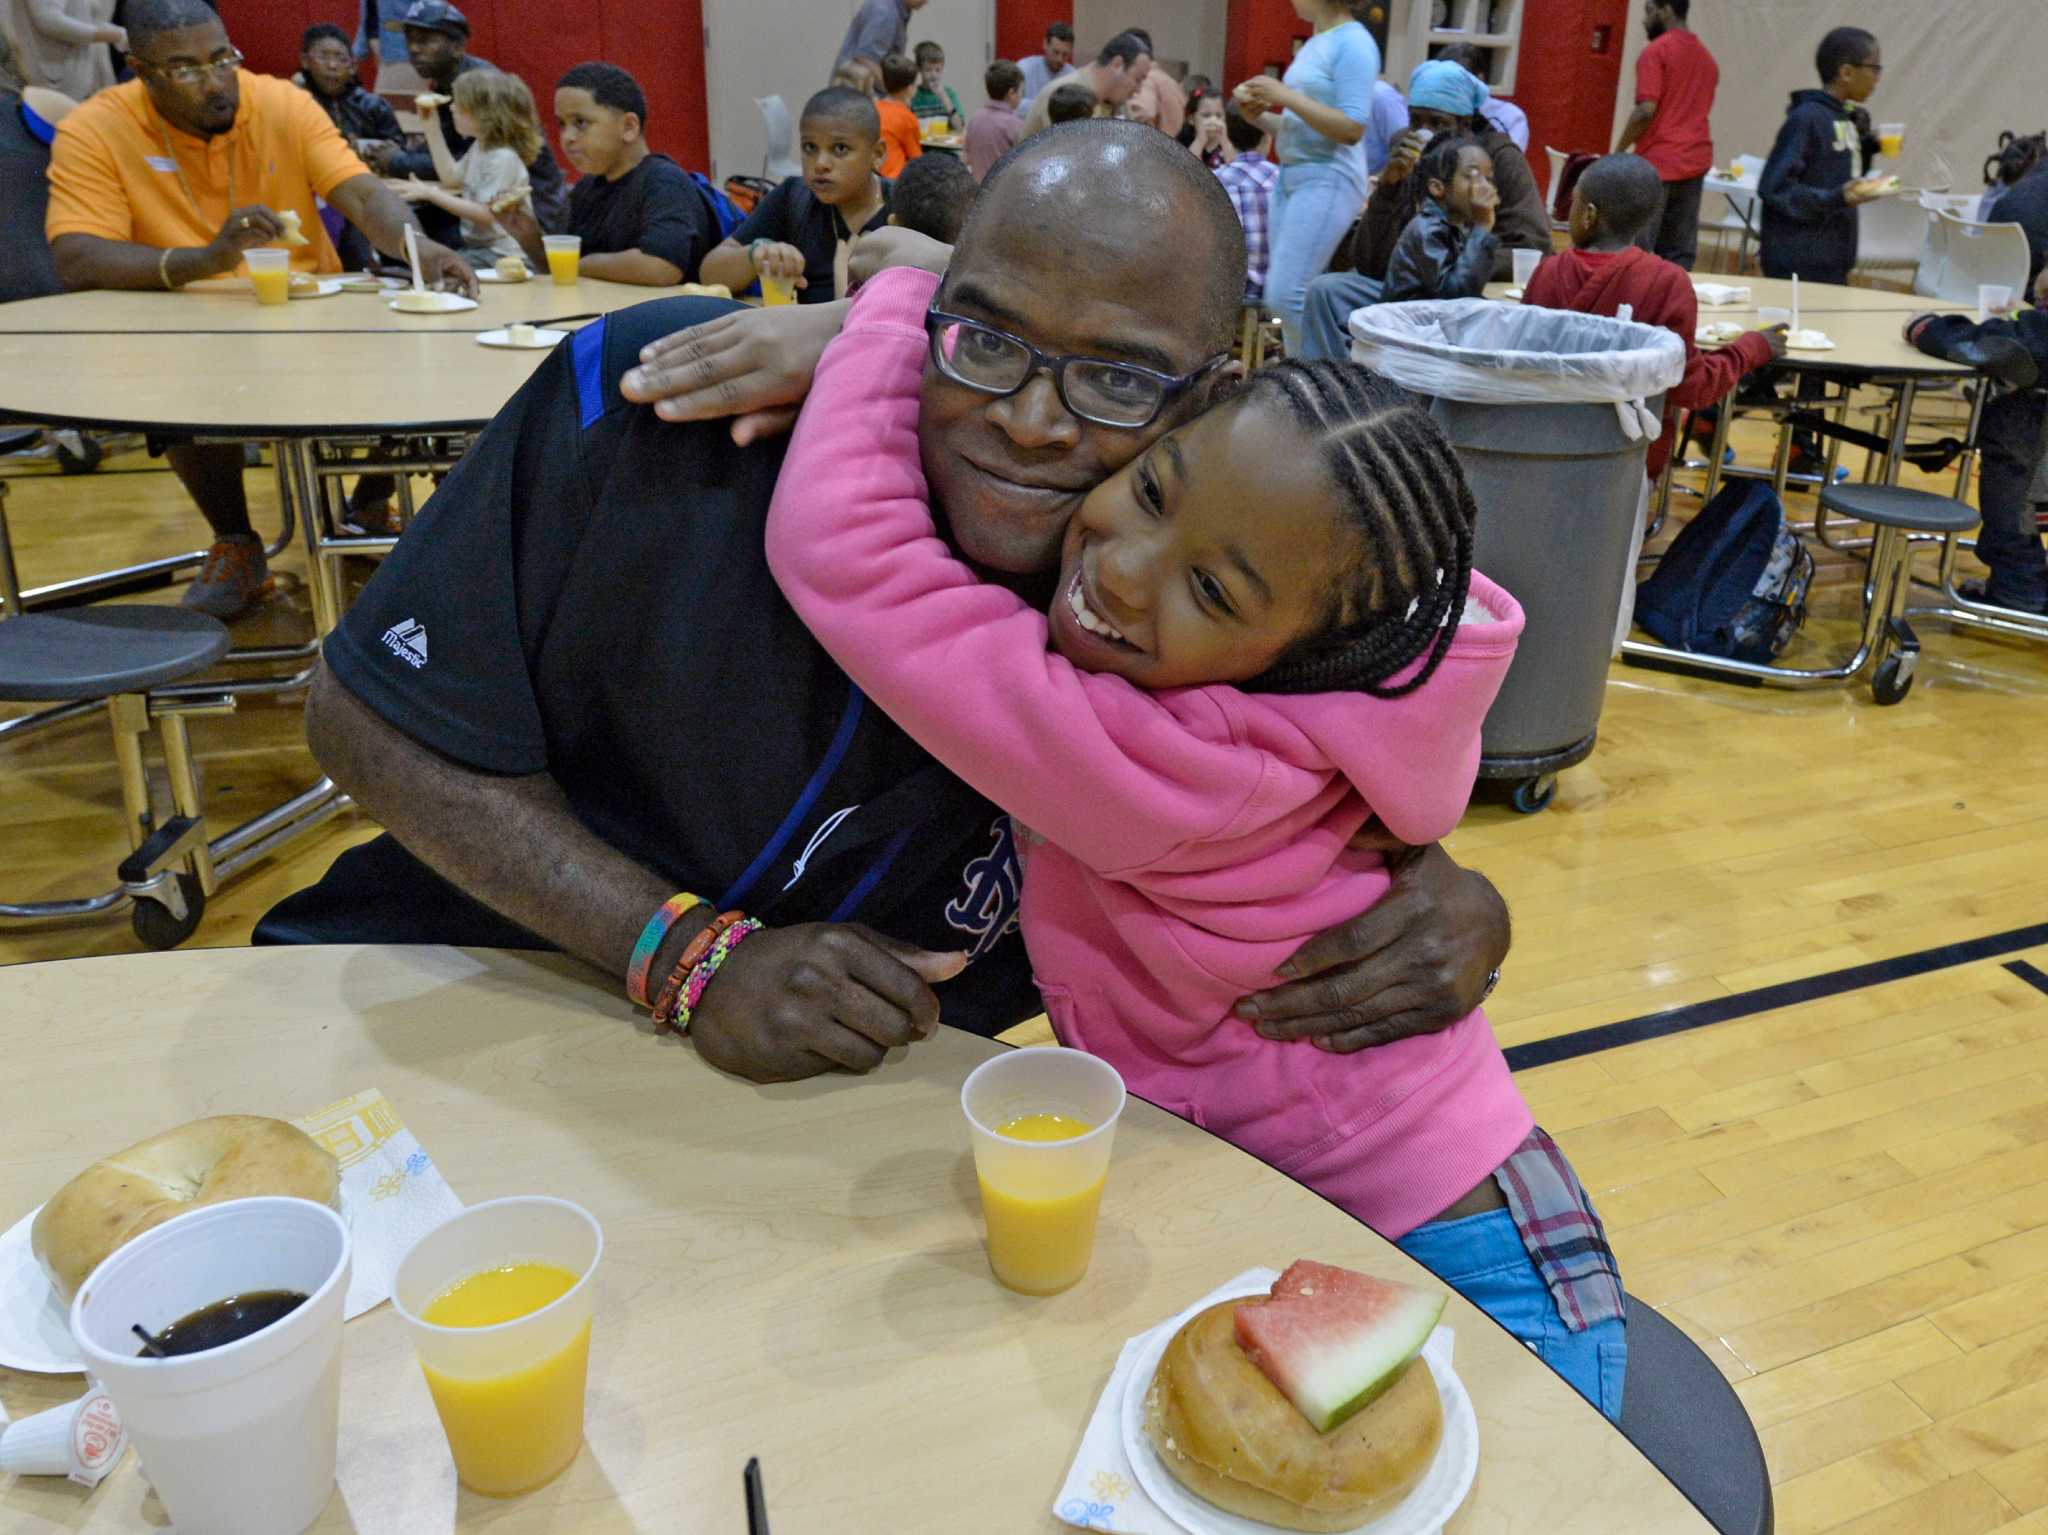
x: 900, y: 134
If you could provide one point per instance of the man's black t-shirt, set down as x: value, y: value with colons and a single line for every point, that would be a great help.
x: 587, y: 595
x: 793, y: 215
x: 655, y: 207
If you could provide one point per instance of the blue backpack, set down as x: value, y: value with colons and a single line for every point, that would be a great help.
x: 1734, y: 581
x: 723, y: 209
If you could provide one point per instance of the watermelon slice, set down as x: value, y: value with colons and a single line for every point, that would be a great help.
x: 1332, y: 1340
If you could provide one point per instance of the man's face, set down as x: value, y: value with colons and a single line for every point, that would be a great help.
x: 594, y: 136
x: 1059, y: 53
x: 434, y: 54
x: 329, y: 67
x: 1140, y: 69
x: 1656, y: 20
x: 1432, y: 122
x: 1117, y: 83
x: 839, y: 158
x: 1009, y: 473
x: 190, y: 76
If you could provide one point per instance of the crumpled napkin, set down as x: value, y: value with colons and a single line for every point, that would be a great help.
x: 391, y: 1192
x: 1720, y: 295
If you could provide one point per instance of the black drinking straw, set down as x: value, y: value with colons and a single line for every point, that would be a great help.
x: 149, y: 1342
x: 757, y: 1505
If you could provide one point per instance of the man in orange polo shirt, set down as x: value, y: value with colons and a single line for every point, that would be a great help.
x: 169, y: 178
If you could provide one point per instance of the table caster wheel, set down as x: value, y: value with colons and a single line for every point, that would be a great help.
x: 1892, y: 682
x: 154, y: 924
x: 1533, y: 795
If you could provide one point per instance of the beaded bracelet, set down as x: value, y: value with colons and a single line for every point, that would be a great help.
x: 651, y: 936
x: 664, y: 1005
x: 721, y: 951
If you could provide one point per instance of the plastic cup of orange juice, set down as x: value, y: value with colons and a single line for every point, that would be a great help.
x: 777, y: 290
x: 270, y: 273
x: 498, y: 1300
x: 1042, y: 1121
x: 1891, y: 139
x: 565, y: 256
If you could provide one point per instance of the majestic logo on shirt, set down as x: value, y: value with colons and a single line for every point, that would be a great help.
x: 407, y: 640
x: 987, y: 906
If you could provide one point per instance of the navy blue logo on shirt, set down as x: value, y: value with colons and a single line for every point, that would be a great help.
x: 987, y: 907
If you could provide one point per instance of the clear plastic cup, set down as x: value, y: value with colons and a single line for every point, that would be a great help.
x: 1526, y: 263
x: 510, y: 1396
x: 1041, y: 1197
x: 1891, y: 140
x: 270, y: 273
x: 777, y: 290
x: 237, y: 1440
x: 1767, y: 317
x: 565, y: 256
x: 1993, y: 300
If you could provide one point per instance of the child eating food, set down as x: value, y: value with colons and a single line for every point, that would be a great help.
x: 1448, y: 248
x: 1266, y: 632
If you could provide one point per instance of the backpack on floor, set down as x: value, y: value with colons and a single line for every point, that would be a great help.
x: 1734, y: 581
x: 745, y: 193
x: 723, y: 208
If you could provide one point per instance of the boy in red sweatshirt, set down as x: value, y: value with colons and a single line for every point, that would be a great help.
x: 1614, y: 201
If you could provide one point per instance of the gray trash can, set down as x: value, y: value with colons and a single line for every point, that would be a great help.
x: 1552, y: 415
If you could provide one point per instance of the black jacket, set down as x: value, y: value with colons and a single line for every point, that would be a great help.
x: 1437, y: 259
x: 1809, y: 229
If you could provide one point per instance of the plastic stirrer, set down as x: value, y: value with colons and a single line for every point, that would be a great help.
x: 412, y: 254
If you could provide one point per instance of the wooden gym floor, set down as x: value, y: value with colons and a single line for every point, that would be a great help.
x: 1844, y: 1200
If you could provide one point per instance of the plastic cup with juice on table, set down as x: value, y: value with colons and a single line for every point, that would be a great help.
x: 1891, y: 140
x: 240, y: 1434
x: 498, y: 1303
x: 565, y: 256
x: 777, y: 290
x: 270, y: 273
x: 1042, y: 1122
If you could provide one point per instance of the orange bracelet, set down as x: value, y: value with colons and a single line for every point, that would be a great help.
x: 663, y: 1010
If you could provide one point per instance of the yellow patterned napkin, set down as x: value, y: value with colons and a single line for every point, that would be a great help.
x: 391, y: 1192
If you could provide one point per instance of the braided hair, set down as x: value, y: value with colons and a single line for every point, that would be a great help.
x: 1404, y: 494
x: 1439, y: 162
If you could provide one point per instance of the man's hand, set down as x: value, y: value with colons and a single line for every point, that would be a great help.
x: 445, y: 270
x: 795, y: 1002
x: 245, y: 229
x: 378, y: 155
x: 1776, y: 334
x: 781, y: 261
x: 895, y: 246
x: 753, y: 364
x: 1415, y: 963
x: 1403, y: 155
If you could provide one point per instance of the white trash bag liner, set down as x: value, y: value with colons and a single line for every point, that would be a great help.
x: 1487, y: 353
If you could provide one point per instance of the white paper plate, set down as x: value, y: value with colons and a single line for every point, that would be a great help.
x: 1512, y: 293
x: 1423, y: 1512
x: 444, y: 303
x: 542, y: 340
x: 35, y: 1326
x: 489, y: 274
x: 325, y: 287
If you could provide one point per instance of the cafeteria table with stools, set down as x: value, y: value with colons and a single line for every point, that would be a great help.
x: 792, y: 1272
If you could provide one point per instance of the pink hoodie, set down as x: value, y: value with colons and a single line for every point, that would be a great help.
x: 1177, y: 845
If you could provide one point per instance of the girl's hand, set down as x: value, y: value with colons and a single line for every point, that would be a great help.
x: 1485, y: 205
x: 413, y: 190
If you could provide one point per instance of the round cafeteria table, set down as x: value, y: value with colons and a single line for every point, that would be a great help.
x: 793, y: 1272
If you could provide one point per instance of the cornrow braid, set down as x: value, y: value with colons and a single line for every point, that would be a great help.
x: 1404, y: 493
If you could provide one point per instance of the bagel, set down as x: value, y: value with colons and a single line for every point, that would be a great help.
x: 1227, y: 1434
x: 231, y: 1156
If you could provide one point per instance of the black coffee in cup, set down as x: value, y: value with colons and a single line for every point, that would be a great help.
x: 225, y: 1321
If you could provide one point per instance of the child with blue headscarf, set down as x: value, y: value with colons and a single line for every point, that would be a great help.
x: 1443, y: 98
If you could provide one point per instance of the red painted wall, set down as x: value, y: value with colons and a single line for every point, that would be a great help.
x: 1021, y: 24
x: 1567, y: 78
x: 1258, y: 33
x: 661, y: 43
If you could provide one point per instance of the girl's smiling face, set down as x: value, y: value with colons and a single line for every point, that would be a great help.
x: 1205, y: 558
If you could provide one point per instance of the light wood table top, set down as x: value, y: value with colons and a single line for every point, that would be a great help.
x: 794, y: 1272
x: 1814, y: 298
x: 229, y: 305
x: 292, y: 384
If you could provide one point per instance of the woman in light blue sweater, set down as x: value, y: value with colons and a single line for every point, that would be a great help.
x: 1317, y: 115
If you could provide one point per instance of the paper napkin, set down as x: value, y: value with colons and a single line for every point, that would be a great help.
x: 391, y: 1192
x: 1720, y: 295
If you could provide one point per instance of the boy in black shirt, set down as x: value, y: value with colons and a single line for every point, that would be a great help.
x: 802, y: 230
x: 1817, y: 173
x: 642, y: 217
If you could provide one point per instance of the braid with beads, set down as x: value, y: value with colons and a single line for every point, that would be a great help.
x: 1403, y: 491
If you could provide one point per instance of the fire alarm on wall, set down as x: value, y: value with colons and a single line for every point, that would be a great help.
x: 1602, y: 36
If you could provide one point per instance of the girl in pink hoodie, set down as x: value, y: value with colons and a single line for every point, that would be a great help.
x: 1267, y: 632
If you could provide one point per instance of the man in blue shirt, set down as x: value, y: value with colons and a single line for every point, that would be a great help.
x: 879, y: 28
x: 1056, y: 64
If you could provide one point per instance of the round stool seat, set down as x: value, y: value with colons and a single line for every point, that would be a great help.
x: 96, y: 652
x: 1690, y: 1424
x: 1896, y: 506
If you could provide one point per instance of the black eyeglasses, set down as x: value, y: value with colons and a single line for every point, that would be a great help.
x: 191, y: 74
x: 994, y: 362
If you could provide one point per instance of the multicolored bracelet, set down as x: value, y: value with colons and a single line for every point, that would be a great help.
x: 651, y: 936
x: 700, y: 977
x: 663, y: 1008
